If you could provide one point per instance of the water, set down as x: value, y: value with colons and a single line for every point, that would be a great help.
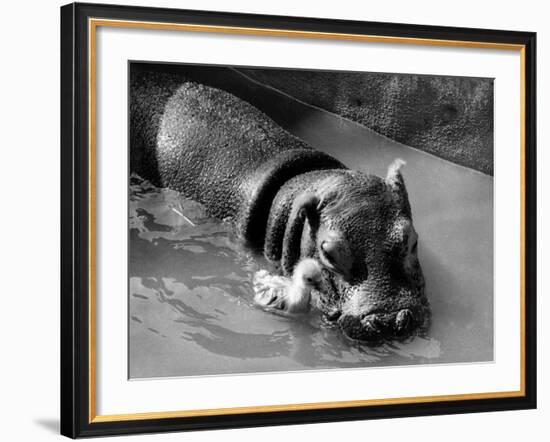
x: 190, y: 298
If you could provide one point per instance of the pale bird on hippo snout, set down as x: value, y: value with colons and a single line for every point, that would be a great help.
x: 290, y: 295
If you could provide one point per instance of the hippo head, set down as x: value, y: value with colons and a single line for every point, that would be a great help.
x: 360, y: 228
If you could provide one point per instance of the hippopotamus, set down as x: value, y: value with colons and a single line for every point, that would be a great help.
x: 288, y: 202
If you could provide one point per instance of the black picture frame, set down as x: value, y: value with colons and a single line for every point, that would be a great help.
x: 75, y: 221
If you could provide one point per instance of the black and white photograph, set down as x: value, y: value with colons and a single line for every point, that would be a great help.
x: 285, y: 220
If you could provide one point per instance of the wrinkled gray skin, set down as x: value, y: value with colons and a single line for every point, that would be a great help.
x: 288, y: 202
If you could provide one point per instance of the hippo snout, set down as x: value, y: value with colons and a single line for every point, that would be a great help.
x: 373, y: 328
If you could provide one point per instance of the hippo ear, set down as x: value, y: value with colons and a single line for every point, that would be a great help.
x: 396, y: 184
x: 394, y: 179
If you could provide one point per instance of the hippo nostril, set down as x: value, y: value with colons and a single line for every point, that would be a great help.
x: 333, y: 315
x: 365, y: 329
x: 403, y: 320
x: 370, y: 326
x: 373, y: 326
x: 351, y: 326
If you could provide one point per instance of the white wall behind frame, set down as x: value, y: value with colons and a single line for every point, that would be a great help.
x: 29, y: 81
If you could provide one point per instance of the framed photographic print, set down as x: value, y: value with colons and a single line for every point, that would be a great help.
x: 277, y: 220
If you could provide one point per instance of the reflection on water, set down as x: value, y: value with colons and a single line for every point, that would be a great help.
x: 191, y: 299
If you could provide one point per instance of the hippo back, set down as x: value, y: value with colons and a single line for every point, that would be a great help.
x: 221, y: 151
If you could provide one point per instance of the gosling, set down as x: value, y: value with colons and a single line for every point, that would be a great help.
x: 285, y: 294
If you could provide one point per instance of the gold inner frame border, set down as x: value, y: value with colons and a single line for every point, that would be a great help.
x: 93, y: 24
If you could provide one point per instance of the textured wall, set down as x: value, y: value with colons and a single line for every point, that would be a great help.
x: 451, y: 117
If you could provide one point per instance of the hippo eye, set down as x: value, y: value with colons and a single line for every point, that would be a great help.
x: 328, y: 256
x: 336, y: 256
x: 414, y: 247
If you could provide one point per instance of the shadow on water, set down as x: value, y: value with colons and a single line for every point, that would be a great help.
x: 191, y: 309
x: 300, y: 342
